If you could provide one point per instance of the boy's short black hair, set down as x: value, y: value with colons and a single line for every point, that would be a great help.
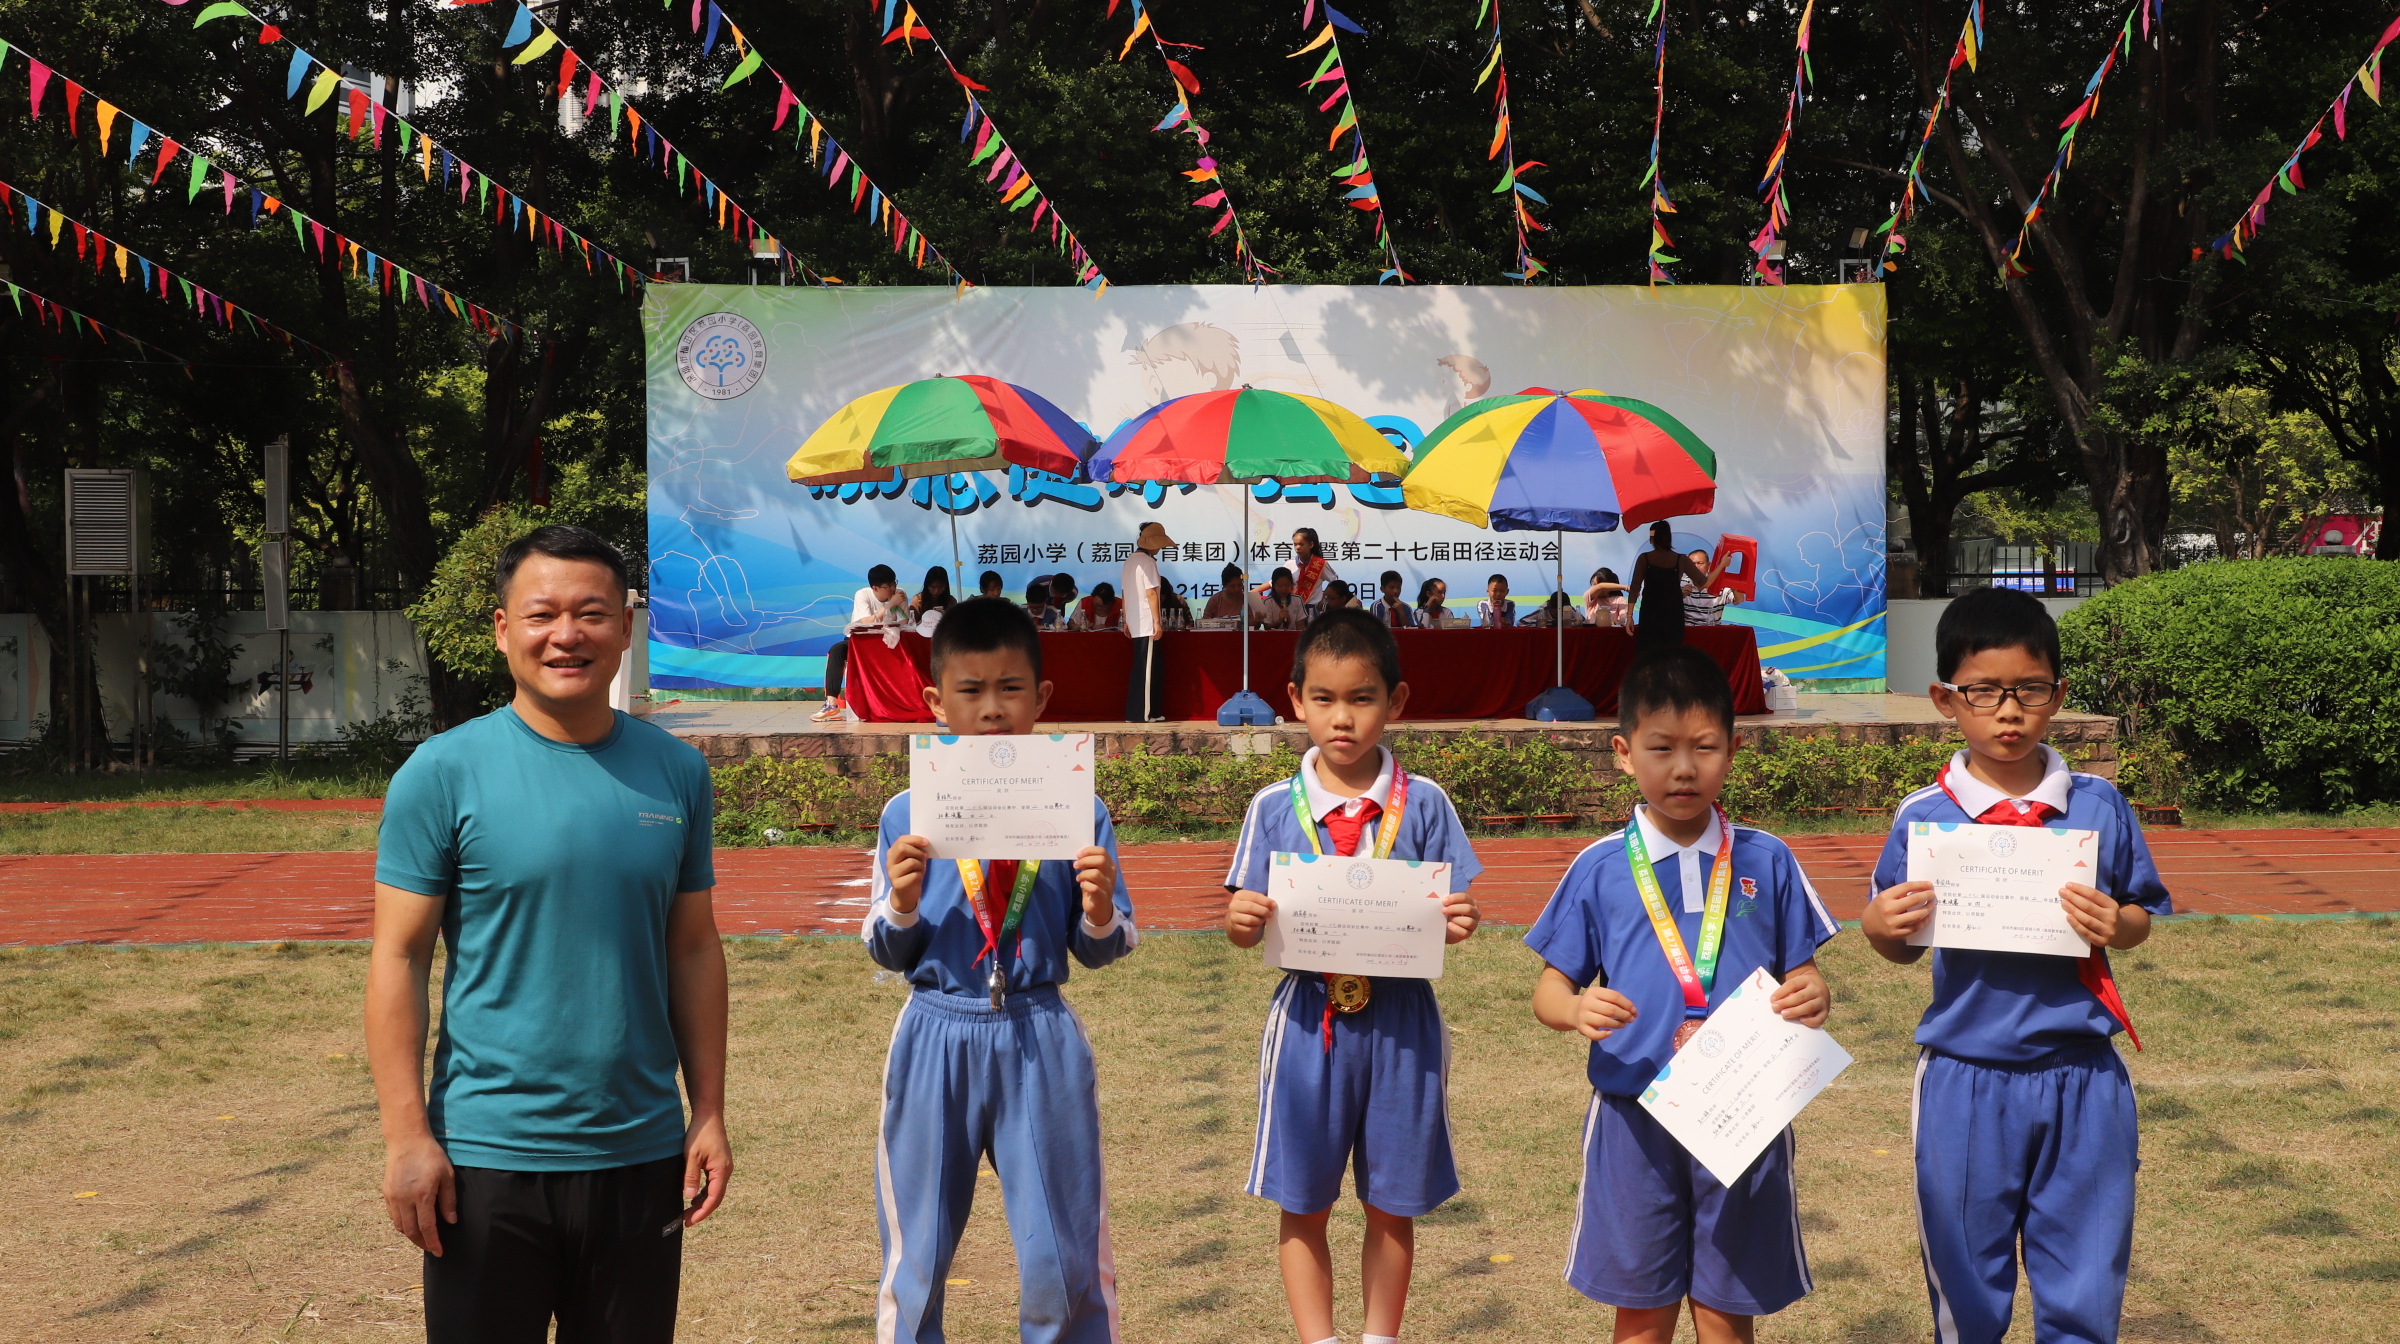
x: 1994, y: 618
x: 986, y: 625
x: 1039, y: 590
x: 1501, y: 579
x: 1388, y: 576
x: 1676, y: 679
x: 1348, y: 633
x: 1062, y: 585
x: 879, y: 575
x: 559, y: 542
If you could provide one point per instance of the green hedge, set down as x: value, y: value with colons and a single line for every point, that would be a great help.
x: 2276, y: 682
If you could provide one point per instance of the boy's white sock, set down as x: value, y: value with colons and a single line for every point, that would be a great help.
x: 1378, y: 1339
x: 1331, y: 1339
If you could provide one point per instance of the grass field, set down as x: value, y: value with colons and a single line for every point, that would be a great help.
x: 184, y: 830
x: 188, y: 1145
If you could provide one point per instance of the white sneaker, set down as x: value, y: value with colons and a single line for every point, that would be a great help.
x: 831, y: 713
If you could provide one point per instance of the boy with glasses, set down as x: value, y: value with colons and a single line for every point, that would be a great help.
x: 2023, y: 1115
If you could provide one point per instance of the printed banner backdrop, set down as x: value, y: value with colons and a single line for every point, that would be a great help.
x: 751, y: 575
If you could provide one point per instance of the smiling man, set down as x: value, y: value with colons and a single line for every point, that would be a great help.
x: 560, y: 851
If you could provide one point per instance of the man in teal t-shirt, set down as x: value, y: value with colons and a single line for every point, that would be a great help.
x: 560, y: 851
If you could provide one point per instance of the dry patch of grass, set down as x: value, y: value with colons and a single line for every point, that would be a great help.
x: 215, y: 1102
x: 184, y: 830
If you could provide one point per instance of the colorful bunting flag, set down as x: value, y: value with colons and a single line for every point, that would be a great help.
x: 1967, y: 51
x: 51, y: 313
x: 1504, y: 142
x: 1660, y: 257
x: 2369, y: 78
x: 1771, y: 188
x: 2120, y: 49
x: 1185, y: 86
x: 1332, y: 70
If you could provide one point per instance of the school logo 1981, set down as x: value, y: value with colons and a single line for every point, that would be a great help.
x: 721, y: 356
x: 1360, y: 877
x: 2003, y: 845
x: 1003, y: 755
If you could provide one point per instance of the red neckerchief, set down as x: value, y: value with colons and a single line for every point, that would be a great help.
x: 2094, y: 968
x: 1347, y: 831
x: 1305, y: 582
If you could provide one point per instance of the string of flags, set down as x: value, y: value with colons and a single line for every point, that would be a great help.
x: 1771, y: 188
x: 1504, y: 141
x: 1660, y: 204
x: 539, y: 39
x: 1205, y: 168
x: 155, y: 281
x: 2367, y: 78
x: 58, y: 316
x: 1008, y: 174
x: 1359, y: 174
x: 1968, y: 50
x: 2119, y: 49
x: 312, y: 234
x: 368, y: 119
x: 824, y: 152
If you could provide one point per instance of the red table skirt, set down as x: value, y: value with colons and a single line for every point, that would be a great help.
x: 1452, y: 674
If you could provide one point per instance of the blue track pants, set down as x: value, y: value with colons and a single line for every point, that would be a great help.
x: 2046, y: 1152
x: 963, y: 1081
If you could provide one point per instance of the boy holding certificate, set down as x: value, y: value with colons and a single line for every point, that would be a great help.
x: 1648, y: 931
x: 1353, y: 1069
x: 986, y: 1056
x: 2024, y: 1115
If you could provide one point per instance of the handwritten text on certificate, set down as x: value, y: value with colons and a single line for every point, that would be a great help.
x: 1995, y: 888
x: 1743, y: 1077
x: 1001, y: 797
x: 1357, y: 916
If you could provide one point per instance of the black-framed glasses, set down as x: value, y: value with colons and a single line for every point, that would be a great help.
x: 1984, y: 695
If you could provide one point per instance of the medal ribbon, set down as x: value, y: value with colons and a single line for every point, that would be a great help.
x: 1696, y: 975
x: 1386, y: 835
x: 2092, y: 970
x: 971, y: 875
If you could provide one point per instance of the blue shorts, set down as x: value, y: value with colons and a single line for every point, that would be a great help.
x: 1652, y: 1227
x: 1378, y: 1101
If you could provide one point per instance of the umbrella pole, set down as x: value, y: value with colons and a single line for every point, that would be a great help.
x: 1245, y: 494
x: 958, y: 573
x: 1559, y: 617
x: 1559, y: 704
x: 1245, y: 706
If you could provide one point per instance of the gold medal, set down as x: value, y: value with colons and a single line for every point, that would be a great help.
x: 1348, y: 993
x: 1689, y: 1028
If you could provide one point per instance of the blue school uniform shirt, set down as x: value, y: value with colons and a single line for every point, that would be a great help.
x: 558, y: 863
x: 2016, y: 1007
x: 1595, y: 930
x: 937, y: 944
x: 1429, y: 826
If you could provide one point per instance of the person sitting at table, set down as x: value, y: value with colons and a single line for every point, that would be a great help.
x: 1339, y: 596
x: 1701, y: 606
x: 1062, y: 597
x: 991, y: 585
x: 1430, y: 613
x: 1100, y: 611
x: 1495, y: 611
x: 1226, y: 602
x: 1604, y: 600
x: 878, y: 604
x: 1038, y: 606
x: 934, y: 596
x: 1547, y: 614
x: 1173, y: 610
x: 1278, y: 608
x: 1388, y: 608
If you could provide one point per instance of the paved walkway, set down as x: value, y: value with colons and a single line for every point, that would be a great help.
x: 179, y: 898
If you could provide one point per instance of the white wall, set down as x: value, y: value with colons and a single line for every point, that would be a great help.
x: 1910, y: 623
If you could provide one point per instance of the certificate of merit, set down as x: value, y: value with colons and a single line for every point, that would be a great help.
x: 1742, y: 1077
x: 1995, y: 888
x: 1356, y: 916
x: 1001, y: 797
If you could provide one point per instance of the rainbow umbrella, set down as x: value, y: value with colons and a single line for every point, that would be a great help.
x: 1561, y: 461
x: 1242, y: 437
x: 937, y: 426
x: 1580, y: 461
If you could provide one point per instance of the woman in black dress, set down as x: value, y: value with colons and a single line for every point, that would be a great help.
x: 1656, y: 593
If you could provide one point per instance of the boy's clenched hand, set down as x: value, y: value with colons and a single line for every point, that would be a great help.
x: 1096, y: 874
x: 1803, y: 997
x: 1459, y: 909
x: 1246, y: 915
x: 1601, y: 1012
x: 904, y: 867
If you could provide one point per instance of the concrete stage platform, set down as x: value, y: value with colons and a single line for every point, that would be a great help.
x: 726, y: 730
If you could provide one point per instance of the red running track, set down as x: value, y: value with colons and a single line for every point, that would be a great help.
x: 181, y: 898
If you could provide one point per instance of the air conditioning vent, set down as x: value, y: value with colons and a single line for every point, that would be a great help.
x: 107, y: 517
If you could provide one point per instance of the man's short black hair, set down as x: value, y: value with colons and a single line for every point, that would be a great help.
x: 880, y: 575
x: 1994, y: 618
x: 986, y: 625
x: 1676, y: 679
x: 1039, y: 590
x: 1348, y: 633
x: 559, y: 542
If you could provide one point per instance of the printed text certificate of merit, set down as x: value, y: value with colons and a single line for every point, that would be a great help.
x: 1357, y: 916
x: 1995, y: 888
x: 1001, y: 797
x: 1743, y: 1077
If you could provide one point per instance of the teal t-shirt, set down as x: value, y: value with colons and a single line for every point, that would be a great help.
x: 559, y: 863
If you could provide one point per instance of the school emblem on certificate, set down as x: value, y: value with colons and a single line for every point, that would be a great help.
x: 1995, y: 888
x: 1356, y: 917
x: 1002, y: 796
